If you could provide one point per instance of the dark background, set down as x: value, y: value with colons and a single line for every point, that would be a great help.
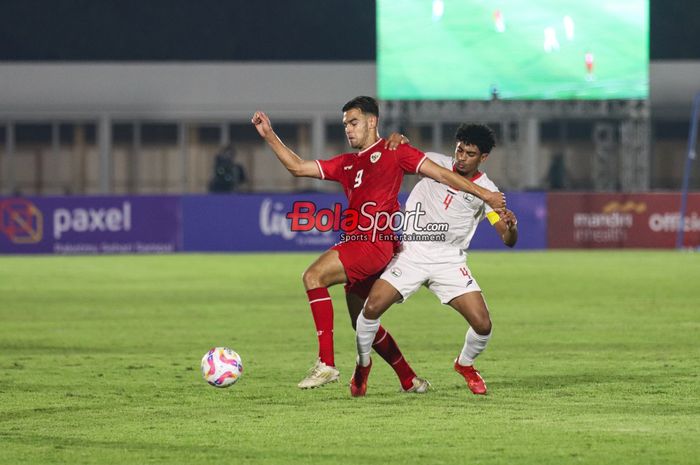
x: 237, y: 30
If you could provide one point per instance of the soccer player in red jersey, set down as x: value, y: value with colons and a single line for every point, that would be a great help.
x: 371, y: 179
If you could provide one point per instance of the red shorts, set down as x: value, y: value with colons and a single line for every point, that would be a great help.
x: 363, y: 262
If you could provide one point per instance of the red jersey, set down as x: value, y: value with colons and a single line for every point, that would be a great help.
x: 372, y: 175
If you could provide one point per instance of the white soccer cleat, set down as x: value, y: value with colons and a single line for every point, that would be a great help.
x: 420, y: 386
x: 319, y: 375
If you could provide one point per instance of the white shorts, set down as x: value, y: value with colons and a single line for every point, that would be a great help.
x: 445, y: 280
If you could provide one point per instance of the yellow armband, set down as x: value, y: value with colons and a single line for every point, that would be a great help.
x: 493, y: 217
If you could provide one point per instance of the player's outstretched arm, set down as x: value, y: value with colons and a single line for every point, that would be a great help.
x: 293, y: 162
x: 497, y: 200
x: 507, y: 228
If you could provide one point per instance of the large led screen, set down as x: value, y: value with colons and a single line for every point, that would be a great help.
x: 512, y: 49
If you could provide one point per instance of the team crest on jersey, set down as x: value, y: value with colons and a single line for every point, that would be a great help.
x: 374, y: 158
x: 468, y: 197
x: 395, y: 272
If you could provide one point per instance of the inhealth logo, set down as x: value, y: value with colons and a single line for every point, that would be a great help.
x: 21, y: 221
x: 273, y: 222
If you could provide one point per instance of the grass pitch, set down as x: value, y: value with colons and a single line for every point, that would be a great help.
x: 595, y: 359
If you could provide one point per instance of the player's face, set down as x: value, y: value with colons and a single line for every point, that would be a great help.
x: 359, y: 128
x: 468, y: 158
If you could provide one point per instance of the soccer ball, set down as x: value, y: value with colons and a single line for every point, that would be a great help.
x: 221, y: 367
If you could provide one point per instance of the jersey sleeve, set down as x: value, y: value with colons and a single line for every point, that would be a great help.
x: 331, y: 170
x: 410, y: 158
x: 439, y: 159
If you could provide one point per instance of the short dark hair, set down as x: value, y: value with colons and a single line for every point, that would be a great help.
x: 364, y: 104
x: 476, y: 134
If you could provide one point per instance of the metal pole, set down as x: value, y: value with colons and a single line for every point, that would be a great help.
x: 318, y: 144
x: 10, y: 157
x: 692, y: 138
x: 55, y: 139
x: 182, y: 143
x: 105, y: 145
x: 437, y: 136
x: 135, y: 159
x: 224, y: 135
x: 530, y: 131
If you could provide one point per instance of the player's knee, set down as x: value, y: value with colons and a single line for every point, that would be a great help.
x: 372, y: 309
x: 482, y: 326
x: 311, y: 279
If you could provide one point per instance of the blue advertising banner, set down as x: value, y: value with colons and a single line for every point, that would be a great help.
x: 259, y: 223
x: 531, y: 210
x: 90, y: 225
x: 205, y: 223
x: 253, y: 222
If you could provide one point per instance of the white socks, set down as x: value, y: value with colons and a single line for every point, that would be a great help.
x: 365, y: 334
x: 474, y: 344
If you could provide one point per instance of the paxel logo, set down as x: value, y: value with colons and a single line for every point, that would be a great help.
x: 91, y: 220
x: 21, y: 221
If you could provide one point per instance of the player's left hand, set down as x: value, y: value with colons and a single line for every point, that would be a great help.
x: 509, y: 218
x: 394, y: 140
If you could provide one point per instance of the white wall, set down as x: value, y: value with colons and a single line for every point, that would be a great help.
x: 219, y: 90
x: 178, y: 90
x: 672, y: 87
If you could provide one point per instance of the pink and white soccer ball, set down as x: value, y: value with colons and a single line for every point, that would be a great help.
x: 222, y: 367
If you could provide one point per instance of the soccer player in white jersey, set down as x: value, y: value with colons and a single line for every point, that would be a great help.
x: 441, y: 264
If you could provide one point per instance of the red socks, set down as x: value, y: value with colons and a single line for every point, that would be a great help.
x: 386, y: 347
x: 322, y: 311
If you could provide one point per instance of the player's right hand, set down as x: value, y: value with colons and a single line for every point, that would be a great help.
x: 394, y: 140
x: 496, y: 200
x: 262, y: 124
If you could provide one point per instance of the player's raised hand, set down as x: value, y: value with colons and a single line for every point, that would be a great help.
x: 262, y: 124
x: 394, y: 140
x: 497, y: 201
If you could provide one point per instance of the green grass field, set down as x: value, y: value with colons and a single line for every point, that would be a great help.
x: 595, y: 359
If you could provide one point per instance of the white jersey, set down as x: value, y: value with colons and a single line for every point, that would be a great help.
x: 460, y: 211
